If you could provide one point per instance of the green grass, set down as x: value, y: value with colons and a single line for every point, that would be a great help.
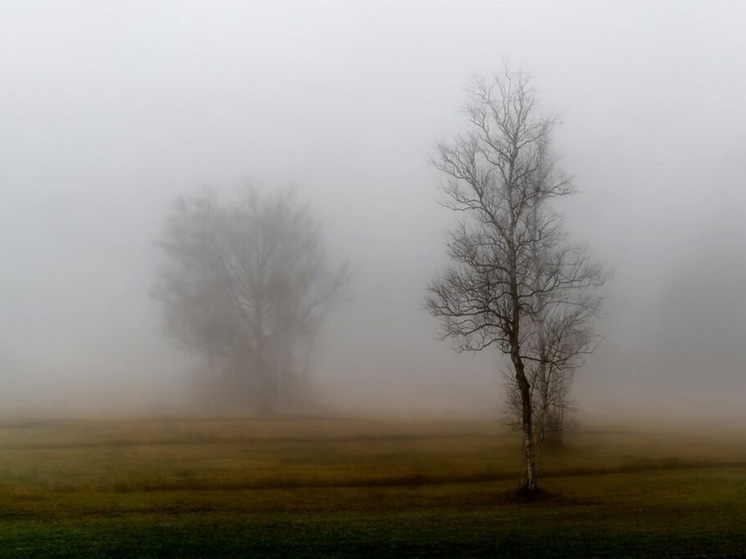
x: 361, y: 488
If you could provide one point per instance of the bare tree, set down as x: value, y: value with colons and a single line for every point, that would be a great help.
x: 246, y: 284
x: 515, y: 282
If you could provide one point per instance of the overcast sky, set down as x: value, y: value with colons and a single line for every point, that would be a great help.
x: 109, y: 110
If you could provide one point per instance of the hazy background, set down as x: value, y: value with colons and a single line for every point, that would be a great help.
x: 109, y: 110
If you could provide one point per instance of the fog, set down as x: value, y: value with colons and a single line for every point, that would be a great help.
x: 112, y: 110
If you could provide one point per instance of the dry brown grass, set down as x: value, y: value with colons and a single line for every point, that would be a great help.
x: 201, y: 454
x: 202, y: 487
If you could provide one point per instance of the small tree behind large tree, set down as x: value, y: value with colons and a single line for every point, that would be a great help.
x: 246, y: 285
x: 515, y: 282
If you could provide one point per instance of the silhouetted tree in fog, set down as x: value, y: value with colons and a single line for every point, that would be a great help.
x: 514, y: 282
x: 246, y: 284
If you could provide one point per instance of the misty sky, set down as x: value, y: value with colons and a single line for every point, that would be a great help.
x: 109, y: 110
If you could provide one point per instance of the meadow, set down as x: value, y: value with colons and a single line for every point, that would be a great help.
x: 363, y: 487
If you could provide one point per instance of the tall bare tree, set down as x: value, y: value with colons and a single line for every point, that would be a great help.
x: 515, y: 282
x: 246, y: 284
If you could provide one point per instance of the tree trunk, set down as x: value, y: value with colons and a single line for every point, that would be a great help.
x: 528, y: 477
x: 269, y: 388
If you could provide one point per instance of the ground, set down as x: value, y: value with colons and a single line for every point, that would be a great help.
x: 344, y: 487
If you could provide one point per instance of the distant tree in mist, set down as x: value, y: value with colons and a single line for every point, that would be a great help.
x: 246, y: 284
x: 514, y: 283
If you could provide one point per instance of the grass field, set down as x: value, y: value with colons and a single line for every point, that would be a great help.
x: 362, y: 488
